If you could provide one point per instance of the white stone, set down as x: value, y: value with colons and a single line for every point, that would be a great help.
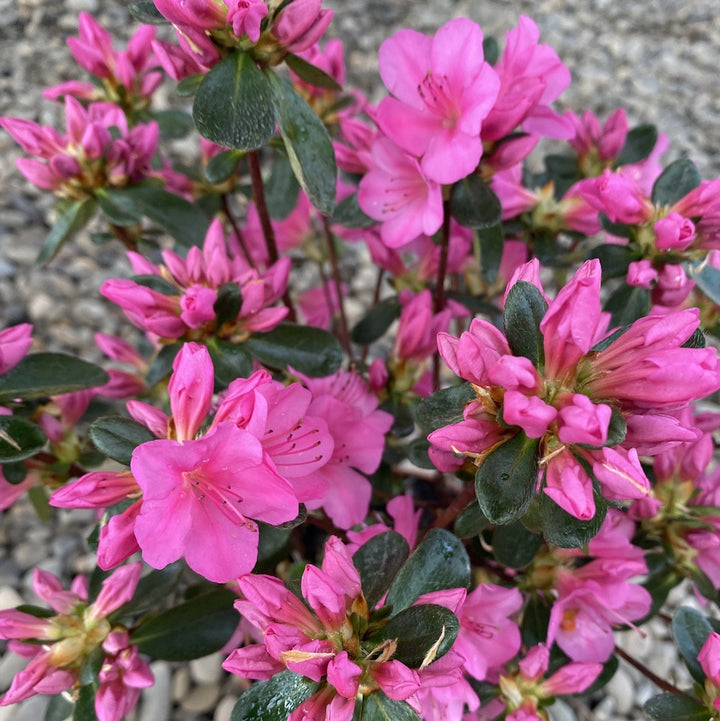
x: 202, y: 698
x: 207, y: 669
x: 620, y: 687
x: 224, y: 708
x: 9, y: 598
x: 7, y: 712
x: 32, y: 709
x: 180, y: 683
x: 560, y: 711
x: 156, y: 699
x: 10, y: 666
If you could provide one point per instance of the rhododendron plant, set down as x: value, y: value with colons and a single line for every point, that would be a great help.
x: 413, y: 440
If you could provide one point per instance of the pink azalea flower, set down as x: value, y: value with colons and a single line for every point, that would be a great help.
x: 439, y: 104
x: 245, y: 17
x: 15, y: 342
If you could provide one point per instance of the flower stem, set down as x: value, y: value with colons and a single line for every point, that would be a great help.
x: 236, y: 229
x: 659, y: 682
x: 440, y: 286
x: 332, y: 256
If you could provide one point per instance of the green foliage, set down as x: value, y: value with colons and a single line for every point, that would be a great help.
x: 524, y: 310
x: 672, y: 707
x: 378, y: 561
x: 474, y: 204
x: 675, y: 182
x: 19, y: 439
x: 71, y: 216
x: 273, y: 700
x: 690, y: 630
x: 117, y: 437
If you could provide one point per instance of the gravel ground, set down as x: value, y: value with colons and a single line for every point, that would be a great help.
x: 657, y: 58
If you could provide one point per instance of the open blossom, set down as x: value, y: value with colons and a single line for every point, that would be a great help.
x: 568, y: 401
x: 438, y: 104
x: 66, y: 640
x: 197, y: 281
x: 15, y: 342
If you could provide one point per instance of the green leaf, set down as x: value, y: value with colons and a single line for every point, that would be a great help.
x: 617, y: 429
x: 59, y: 708
x: 188, y: 86
x: 174, y: 124
x: 19, y: 439
x: 311, y: 73
x: 118, y: 207
x: 562, y: 167
x: 614, y: 259
x: 193, y: 629
x: 71, y: 216
x: 378, y: 707
x: 471, y: 521
x: 696, y: 340
x: 707, y: 278
x: 491, y: 49
x: 273, y: 545
x: 622, y: 230
x: 117, y: 437
x: 514, y: 545
x: 564, y: 530
x: 438, y: 563
x: 671, y: 707
x: 85, y: 704
x: 418, y: 454
x: 378, y: 561
x: 14, y: 473
x: 233, y: 105
x: 181, y: 219
x: 146, y: 12
x: 524, y: 309
x: 228, y: 302
x: 281, y: 188
x: 273, y: 700
x: 40, y: 375
x: 675, y: 182
x: 38, y: 496
x: 162, y: 365
x: 627, y: 304
x: 222, y: 166
x: 349, y: 214
x: 491, y: 249
x: 307, y: 144
x: 230, y: 361
x: 535, y: 621
x: 505, y: 482
x: 379, y: 318
x: 151, y: 591
x: 156, y: 283
x: 690, y: 631
x: 639, y: 143
x: 403, y: 421
x: 474, y: 204
x: 423, y: 633
x: 444, y: 407
x: 312, y: 351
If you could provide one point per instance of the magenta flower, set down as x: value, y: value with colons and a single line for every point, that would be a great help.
x: 15, y: 342
x: 439, y: 104
x: 245, y: 17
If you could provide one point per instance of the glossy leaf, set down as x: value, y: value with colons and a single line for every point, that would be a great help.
x: 423, y: 633
x: 40, y: 375
x: 614, y: 259
x: 70, y: 217
x: 349, y: 214
x: 174, y: 124
x: 187, y: 87
x: 378, y: 319
x: 690, y: 630
x: 707, y: 278
x: 672, y: 707
x: 228, y: 302
x: 444, y: 407
x: 307, y: 144
x: 281, y: 189
x: 438, y: 563
x: 564, y: 530
x: 146, y: 12
x: 491, y: 249
x: 156, y: 283
x: 193, y: 629
x: 675, y: 182
x: 222, y: 166
x: 378, y: 561
x: 162, y: 364
x: 474, y: 204
x: 311, y: 73
x: 273, y: 700
x: 471, y: 521
x: 85, y: 704
x: 524, y: 309
x: 505, y: 482
x: 19, y: 439
x: 514, y: 545
x: 378, y: 707
x: 59, y: 708
x: 639, y: 143
x: 118, y: 207
x: 233, y: 104
x: 117, y: 437
x: 230, y: 361
x: 152, y: 590
x: 627, y: 304
x: 312, y: 351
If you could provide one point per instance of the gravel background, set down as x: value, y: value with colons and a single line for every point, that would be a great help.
x: 658, y: 59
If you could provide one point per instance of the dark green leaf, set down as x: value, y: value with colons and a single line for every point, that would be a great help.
x: 491, y: 49
x: 470, y: 522
x: 228, y: 302
x: 403, y: 421
x: 566, y: 531
x: 622, y: 230
x: 71, y: 216
x: 707, y: 278
x: 281, y: 188
x: 627, y: 304
x: 156, y: 283
x: 562, y: 167
x: 174, y: 124
x: 377, y: 321
x: 273, y: 700
x: 181, y: 219
x: 312, y: 351
x: 378, y: 561
x: 514, y: 545
x: 117, y: 437
x: 59, y: 708
x: 349, y: 214
x: 37, y: 611
x: 14, y: 473
x: 614, y: 259
x: 193, y: 629
x: 696, y: 340
x: 474, y: 204
x: 444, y: 407
x: 423, y: 633
x: 535, y: 621
x: 671, y: 707
x: 146, y: 12
x: 222, y: 166
x: 85, y: 704
x: 19, y: 439
x: 230, y: 361
x: 118, y: 207
x: 438, y: 563
x: 233, y: 105
x: 505, y: 482
x: 38, y: 496
x: 524, y: 309
x: 675, y: 182
x: 378, y: 707
x: 639, y: 143
x: 491, y: 249
x: 273, y: 545
x: 152, y: 590
x: 307, y: 144
x: 311, y: 73
x: 188, y: 86
x: 90, y: 668
x: 40, y: 375
x: 690, y: 631
x: 162, y: 365
x: 418, y: 454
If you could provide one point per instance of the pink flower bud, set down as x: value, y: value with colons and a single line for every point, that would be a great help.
x: 674, y: 232
x: 531, y: 413
x: 582, y: 421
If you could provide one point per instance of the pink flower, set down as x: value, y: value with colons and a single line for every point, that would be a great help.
x: 709, y: 658
x: 14, y: 345
x: 245, y: 17
x: 301, y: 24
x: 618, y: 196
x: 439, y: 104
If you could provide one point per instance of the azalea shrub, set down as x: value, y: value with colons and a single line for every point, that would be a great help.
x: 436, y: 498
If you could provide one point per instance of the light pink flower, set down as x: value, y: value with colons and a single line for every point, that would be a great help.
x: 14, y: 345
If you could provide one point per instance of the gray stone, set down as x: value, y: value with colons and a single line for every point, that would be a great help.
x: 155, y: 701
